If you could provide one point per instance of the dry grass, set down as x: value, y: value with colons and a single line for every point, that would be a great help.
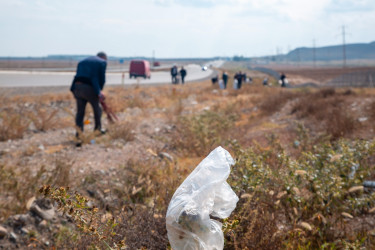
x: 274, y: 199
x: 202, y: 133
x: 44, y: 118
x: 256, y: 218
x: 299, y: 201
x: 122, y: 130
x: 12, y: 125
x: 372, y: 110
x: 17, y: 113
x: 273, y: 102
x: 17, y: 185
x: 328, y: 108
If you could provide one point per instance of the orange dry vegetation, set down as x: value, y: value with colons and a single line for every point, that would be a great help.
x: 135, y: 180
x: 320, y: 74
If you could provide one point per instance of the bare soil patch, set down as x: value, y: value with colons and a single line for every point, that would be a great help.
x: 163, y: 132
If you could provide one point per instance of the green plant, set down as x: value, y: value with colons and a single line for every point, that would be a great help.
x: 88, y: 220
x: 309, y: 194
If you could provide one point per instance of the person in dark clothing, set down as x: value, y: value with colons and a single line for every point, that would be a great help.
x: 87, y: 87
x: 174, y: 72
x: 282, y: 79
x: 265, y: 81
x: 238, y: 76
x: 244, y: 77
x: 183, y: 74
x: 225, y: 79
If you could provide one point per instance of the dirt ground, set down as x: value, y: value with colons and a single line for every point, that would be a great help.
x: 318, y: 75
x: 60, y: 143
x: 153, y: 126
x: 44, y: 148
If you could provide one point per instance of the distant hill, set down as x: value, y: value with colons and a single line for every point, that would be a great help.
x: 328, y: 53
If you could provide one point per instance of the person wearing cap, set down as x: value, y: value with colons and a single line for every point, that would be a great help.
x: 87, y: 87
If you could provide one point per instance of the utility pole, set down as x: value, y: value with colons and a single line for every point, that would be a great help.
x: 298, y: 57
x: 278, y: 54
x: 314, y: 53
x: 153, y: 58
x: 343, y: 47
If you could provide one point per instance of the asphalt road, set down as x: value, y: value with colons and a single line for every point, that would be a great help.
x: 53, y: 79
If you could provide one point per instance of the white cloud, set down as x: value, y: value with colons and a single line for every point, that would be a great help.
x: 180, y: 27
x: 351, y: 6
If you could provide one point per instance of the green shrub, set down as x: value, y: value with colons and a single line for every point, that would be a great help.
x: 309, y: 197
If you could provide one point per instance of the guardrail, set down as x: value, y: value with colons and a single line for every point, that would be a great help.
x: 354, y: 79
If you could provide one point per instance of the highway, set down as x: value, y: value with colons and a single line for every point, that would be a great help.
x: 39, y: 78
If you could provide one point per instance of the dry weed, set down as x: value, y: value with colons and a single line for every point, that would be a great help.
x: 17, y: 185
x: 12, y: 125
x: 122, y: 130
x: 44, y: 118
x: 328, y: 109
x: 275, y: 101
x: 256, y: 228
x: 201, y: 133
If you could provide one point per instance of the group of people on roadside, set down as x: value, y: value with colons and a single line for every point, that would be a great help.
x: 222, y: 82
x: 239, y: 78
x: 175, y: 72
x: 87, y: 87
x: 282, y: 80
x: 89, y: 81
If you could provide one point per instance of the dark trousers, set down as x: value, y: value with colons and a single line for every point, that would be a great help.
x: 182, y: 79
x: 174, y: 79
x: 239, y: 84
x: 85, y: 93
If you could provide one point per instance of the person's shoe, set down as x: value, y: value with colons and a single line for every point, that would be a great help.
x: 99, y: 132
x: 78, y: 144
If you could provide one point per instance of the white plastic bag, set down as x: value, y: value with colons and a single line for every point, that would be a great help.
x: 204, y: 192
x: 221, y: 84
x: 235, y: 84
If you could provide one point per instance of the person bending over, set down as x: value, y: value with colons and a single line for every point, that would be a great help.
x: 87, y: 87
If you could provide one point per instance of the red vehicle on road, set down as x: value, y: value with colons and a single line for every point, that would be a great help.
x: 140, y: 68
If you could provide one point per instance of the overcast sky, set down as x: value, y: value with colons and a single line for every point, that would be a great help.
x: 180, y: 28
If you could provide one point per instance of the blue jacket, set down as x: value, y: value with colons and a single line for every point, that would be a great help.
x: 91, y: 71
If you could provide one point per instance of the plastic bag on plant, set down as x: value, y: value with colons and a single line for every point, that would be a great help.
x: 204, y: 192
